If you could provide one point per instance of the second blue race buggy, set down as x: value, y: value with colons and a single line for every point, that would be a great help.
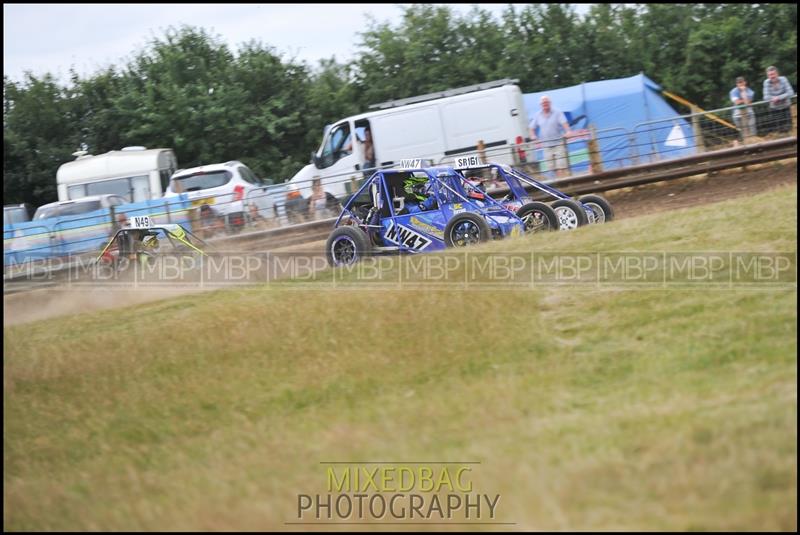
x: 563, y: 212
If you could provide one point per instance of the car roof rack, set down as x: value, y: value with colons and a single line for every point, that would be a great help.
x: 442, y: 94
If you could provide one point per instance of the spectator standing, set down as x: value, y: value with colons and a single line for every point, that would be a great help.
x: 210, y: 223
x: 778, y: 92
x: 743, y: 116
x: 552, y: 125
x: 317, y: 204
x: 256, y: 219
x: 369, y: 149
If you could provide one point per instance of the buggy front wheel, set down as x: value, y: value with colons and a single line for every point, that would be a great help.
x: 466, y: 229
x: 346, y: 245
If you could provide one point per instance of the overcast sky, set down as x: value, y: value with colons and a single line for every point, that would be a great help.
x: 54, y: 37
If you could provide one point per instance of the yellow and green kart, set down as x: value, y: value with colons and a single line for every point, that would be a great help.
x: 142, y: 242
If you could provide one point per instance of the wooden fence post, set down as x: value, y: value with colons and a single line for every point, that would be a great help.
x: 565, y: 148
x: 698, y: 131
x: 594, y: 151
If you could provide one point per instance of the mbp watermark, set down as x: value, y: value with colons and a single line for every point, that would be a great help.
x: 397, y: 493
x: 455, y: 269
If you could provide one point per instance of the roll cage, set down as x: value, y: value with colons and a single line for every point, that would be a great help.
x: 515, y: 179
x: 176, y: 234
x: 382, y: 196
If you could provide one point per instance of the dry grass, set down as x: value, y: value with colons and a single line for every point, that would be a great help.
x: 588, y: 409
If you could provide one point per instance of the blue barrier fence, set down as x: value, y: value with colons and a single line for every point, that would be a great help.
x: 70, y: 235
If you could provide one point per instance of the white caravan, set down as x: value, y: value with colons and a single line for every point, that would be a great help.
x: 435, y: 127
x: 134, y: 173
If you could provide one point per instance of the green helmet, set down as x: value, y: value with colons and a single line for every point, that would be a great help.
x: 414, y: 186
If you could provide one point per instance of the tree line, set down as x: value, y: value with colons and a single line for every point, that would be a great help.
x: 187, y: 90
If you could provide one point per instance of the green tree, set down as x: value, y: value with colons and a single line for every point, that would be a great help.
x: 39, y: 134
x: 272, y: 95
x: 172, y: 92
x: 608, y: 32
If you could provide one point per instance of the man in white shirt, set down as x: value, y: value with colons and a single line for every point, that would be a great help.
x: 552, y: 125
x: 778, y: 92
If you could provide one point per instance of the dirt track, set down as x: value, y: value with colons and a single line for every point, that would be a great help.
x: 692, y: 191
x: 631, y: 202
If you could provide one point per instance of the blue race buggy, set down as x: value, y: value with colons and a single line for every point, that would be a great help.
x: 416, y: 210
x: 568, y: 212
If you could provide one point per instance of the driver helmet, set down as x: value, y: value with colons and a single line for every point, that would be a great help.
x: 415, y: 187
x: 150, y: 241
x: 476, y: 191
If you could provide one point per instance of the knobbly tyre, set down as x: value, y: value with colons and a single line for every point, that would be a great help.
x: 563, y: 212
x: 139, y: 244
x: 413, y: 210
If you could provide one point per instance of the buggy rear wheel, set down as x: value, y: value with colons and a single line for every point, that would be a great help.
x: 466, y: 229
x: 538, y: 217
x: 570, y: 214
x: 603, y: 212
x: 347, y: 245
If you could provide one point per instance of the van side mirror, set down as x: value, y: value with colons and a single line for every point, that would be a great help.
x: 315, y: 159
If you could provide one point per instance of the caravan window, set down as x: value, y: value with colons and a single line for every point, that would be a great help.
x: 119, y: 186
x: 336, y: 145
x: 77, y: 191
x: 140, y: 185
x: 133, y: 189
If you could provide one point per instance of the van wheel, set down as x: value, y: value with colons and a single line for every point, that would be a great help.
x: 603, y: 212
x: 347, y: 245
x: 570, y: 214
x: 538, y: 217
x: 466, y: 229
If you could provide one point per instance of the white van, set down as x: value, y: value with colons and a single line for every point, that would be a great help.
x: 134, y: 173
x: 434, y: 127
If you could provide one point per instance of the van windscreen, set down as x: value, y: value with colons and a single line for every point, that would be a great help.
x: 199, y: 181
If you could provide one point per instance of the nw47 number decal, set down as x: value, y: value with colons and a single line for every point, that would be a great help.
x: 402, y: 235
x: 414, y: 163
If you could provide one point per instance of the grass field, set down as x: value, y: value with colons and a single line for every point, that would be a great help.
x: 588, y: 408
